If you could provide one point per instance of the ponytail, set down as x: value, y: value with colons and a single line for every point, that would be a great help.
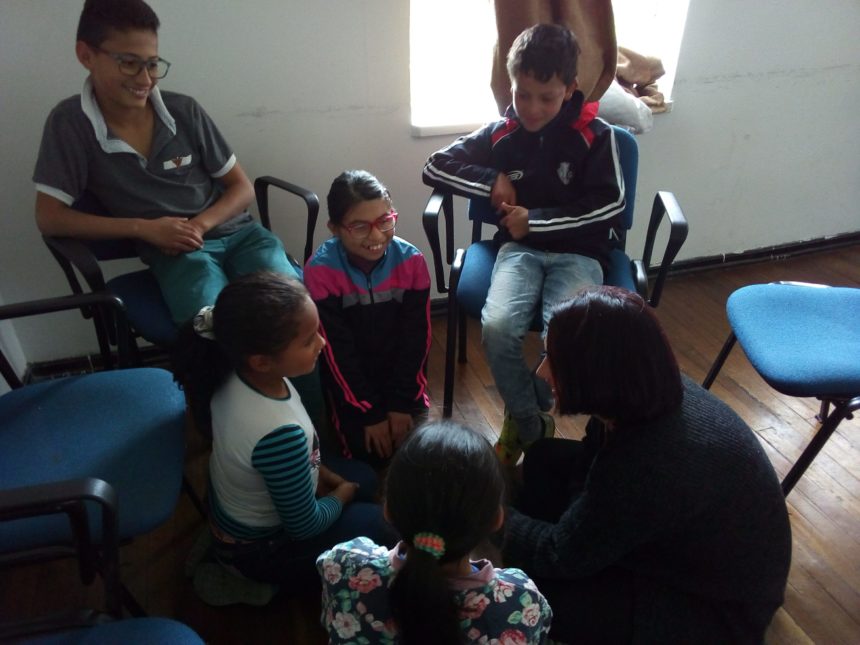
x: 422, y: 602
x: 255, y: 314
x: 199, y: 367
x: 443, y: 492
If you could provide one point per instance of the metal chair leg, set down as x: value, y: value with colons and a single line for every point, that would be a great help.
x: 462, y: 329
x: 718, y: 363
x: 841, y: 410
x: 188, y: 489
x: 450, y: 350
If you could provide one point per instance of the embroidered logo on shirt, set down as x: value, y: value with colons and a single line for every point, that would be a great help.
x: 177, y: 162
x: 564, y: 172
x: 515, y: 175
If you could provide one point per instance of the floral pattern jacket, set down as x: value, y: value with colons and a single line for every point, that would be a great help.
x: 497, y: 606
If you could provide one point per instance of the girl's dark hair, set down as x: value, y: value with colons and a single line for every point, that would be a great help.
x: 610, y: 357
x: 100, y: 16
x: 544, y: 51
x: 350, y: 188
x: 445, y: 479
x: 255, y: 314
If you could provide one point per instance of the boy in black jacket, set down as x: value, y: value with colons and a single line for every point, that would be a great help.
x: 551, y: 170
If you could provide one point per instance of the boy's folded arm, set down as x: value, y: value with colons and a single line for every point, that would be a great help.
x: 55, y: 219
x: 464, y: 167
x: 172, y: 235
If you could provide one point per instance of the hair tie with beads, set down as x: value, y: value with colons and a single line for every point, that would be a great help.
x: 431, y: 543
x: 203, y: 325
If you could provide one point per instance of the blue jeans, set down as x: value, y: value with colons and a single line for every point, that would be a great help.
x: 190, y: 281
x: 523, y: 279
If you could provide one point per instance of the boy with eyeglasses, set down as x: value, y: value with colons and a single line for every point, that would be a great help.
x: 550, y: 169
x: 155, y: 160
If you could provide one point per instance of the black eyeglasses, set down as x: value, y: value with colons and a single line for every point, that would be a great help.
x: 130, y: 65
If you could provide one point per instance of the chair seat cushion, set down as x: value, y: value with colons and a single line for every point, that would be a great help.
x: 475, y: 277
x: 803, y: 340
x: 620, y: 271
x: 131, y: 631
x: 126, y: 427
x: 147, y: 312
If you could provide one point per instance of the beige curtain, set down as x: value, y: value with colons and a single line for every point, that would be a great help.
x: 592, y: 22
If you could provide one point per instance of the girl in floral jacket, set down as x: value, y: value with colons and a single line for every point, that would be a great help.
x: 444, y: 495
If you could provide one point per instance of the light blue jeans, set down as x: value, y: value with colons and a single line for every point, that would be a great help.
x: 523, y: 279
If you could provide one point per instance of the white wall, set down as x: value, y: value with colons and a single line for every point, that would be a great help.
x: 761, y: 147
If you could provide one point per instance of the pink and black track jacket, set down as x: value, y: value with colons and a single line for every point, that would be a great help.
x: 377, y: 329
x: 567, y: 175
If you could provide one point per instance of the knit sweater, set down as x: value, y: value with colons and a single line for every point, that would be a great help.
x: 689, y: 503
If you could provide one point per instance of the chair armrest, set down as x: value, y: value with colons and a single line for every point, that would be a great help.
x: 67, y: 497
x: 73, y: 254
x: 104, y: 299
x: 665, y: 206
x: 312, y: 203
x: 439, y: 202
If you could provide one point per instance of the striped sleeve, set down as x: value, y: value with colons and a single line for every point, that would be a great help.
x: 283, y: 459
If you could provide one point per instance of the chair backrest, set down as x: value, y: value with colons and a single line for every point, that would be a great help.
x: 480, y: 211
x: 628, y: 156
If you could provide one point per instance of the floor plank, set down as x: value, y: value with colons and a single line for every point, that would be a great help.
x: 823, y: 596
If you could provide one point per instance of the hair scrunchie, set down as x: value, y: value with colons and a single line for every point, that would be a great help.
x: 431, y: 543
x: 202, y: 322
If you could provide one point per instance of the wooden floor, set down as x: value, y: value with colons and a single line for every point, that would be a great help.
x: 823, y: 596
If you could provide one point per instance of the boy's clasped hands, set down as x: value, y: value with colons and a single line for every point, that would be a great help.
x: 172, y: 235
x: 503, y: 197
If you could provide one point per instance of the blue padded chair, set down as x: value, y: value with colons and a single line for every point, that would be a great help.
x: 124, y: 428
x: 131, y: 631
x: 804, y: 341
x: 148, y: 314
x: 471, y: 268
x: 71, y: 500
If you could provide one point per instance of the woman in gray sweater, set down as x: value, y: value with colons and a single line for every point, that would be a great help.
x: 667, y: 522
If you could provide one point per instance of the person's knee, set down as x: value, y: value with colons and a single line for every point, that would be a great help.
x: 500, y: 331
x: 366, y: 519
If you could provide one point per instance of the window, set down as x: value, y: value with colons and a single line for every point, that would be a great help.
x: 451, y: 46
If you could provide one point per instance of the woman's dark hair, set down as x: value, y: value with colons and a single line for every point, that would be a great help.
x: 100, y: 16
x: 255, y: 314
x: 544, y: 51
x: 352, y: 187
x: 609, y: 357
x: 445, y: 479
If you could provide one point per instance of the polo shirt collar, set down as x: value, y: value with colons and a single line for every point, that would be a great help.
x: 91, y: 109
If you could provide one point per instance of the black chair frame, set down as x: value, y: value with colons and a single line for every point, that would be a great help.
x: 82, y: 257
x: 843, y: 409
x: 94, y: 557
x: 70, y: 496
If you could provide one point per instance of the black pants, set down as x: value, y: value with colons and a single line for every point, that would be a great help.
x: 598, y: 609
x: 617, y: 604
